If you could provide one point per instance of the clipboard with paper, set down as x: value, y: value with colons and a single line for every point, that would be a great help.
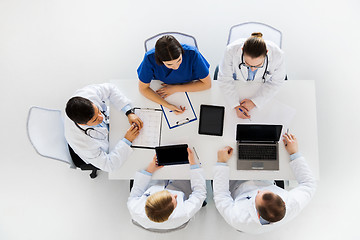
x: 179, y: 99
x: 150, y: 134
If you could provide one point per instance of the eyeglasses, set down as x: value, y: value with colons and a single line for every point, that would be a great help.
x: 248, y: 66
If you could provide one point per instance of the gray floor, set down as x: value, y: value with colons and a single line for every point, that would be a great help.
x: 48, y: 49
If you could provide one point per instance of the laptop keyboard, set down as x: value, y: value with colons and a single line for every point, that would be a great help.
x: 253, y: 152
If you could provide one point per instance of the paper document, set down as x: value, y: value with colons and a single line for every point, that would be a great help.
x: 274, y: 113
x: 177, y: 99
x: 150, y: 134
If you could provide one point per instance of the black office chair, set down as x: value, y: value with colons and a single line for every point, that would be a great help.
x: 82, y: 165
x: 279, y: 183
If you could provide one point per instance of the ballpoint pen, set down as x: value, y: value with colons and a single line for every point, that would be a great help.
x: 287, y: 133
x: 244, y: 113
x: 197, y: 155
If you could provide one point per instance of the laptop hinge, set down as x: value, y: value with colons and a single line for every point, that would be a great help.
x: 261, y: 142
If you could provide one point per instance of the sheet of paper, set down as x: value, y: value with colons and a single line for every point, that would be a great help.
x: 178, y: 99
x: 149, y: 136
x: 274, y: 112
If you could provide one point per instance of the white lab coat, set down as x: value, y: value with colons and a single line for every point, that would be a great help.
x: 229, y: 66
x: 185, y: 209
x: 240, y: 211
x: 92, y: 150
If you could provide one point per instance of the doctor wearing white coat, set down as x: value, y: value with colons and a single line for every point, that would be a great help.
x: 251, y: 60
x: 86, y: 126
x: 180, y: 200
x: 259, y: 206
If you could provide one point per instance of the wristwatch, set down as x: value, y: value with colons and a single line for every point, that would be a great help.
x: 129, y: 111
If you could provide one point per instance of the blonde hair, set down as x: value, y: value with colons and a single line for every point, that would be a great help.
x: 159, y: 206
x: 255, y: 45
x: 257, y: 34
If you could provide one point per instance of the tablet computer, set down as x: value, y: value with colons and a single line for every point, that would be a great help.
x: 172, y: 154
x: 211, y: 120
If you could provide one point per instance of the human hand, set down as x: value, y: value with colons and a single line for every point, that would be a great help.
x: 176, y: 110
x: 132, y: 132
x: 133, y: 118
x: 241, y: 112
x: 247, y: 104
x: 191, y: 156
x: 225, y: 154
x: 153, y: 165
x: 166, y: 90
x: 291, y: 144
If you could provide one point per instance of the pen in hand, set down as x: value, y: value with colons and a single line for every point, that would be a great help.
x: 244, y: 113
x: 181, y: 108
x: 287, y: 133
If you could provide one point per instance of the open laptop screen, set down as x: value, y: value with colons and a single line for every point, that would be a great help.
x: 258, y: 132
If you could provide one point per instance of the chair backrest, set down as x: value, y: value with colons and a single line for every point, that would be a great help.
x: 244, y: 30
x: 160, y: 230
x: 181, y: 37
x: 45, y: 128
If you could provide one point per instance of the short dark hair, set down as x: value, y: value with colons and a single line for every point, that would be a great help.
x: 79, y: 109
x: 167, y: 48
x: 273, y: 208
x: 255, y: 46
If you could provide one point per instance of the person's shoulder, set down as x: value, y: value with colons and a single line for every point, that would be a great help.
x: 86, y: 91
x: 236, y: 46
x: 237, y: 43
x: 190, y: 50
x: 150, y: 55
x: 273, y: 48
x: 189, y: 47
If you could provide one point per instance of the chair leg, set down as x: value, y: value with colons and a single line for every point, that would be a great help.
x: 131, y: 184
x: 93, y: 173
x: 280, y: 183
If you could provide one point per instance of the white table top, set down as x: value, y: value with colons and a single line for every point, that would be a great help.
x: 297, y: 94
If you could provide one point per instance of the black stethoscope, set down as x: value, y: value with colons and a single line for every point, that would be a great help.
x: 266, y: 66
x: 93, y: 133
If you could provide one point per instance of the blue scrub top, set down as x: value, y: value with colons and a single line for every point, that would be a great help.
x: 193, y: 67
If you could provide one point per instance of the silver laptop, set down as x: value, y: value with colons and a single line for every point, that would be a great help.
x: 258, y: 146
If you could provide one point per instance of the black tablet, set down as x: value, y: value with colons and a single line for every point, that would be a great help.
x: 172, y: 154
x: 211, y: 120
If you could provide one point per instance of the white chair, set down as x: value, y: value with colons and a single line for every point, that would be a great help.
x: 244, y: 30
x: 45, y: 128
x: 181, y: 37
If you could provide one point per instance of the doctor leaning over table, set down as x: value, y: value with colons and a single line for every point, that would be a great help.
x: 251, y: 60
x: 87, y: 127
x: 260, y: 206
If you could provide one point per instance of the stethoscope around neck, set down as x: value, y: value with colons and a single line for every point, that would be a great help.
x: 266, y: 66
x: 93, y: 133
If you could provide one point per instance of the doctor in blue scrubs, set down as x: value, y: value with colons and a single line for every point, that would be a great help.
x: 180, y: 67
